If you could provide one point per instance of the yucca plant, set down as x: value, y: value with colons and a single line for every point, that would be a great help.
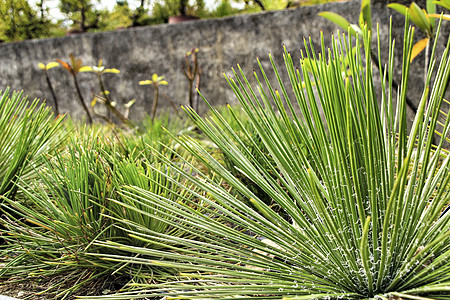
x: 157, y: 135
x: 80, y: 194
x: 248, y: 136
x: 49, y: 233
x: 28, y: 131
x: 364, y: 208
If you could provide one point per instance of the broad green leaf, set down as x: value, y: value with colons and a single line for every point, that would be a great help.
x: 431, y: 9
x: 339, y: 20
x: 418, y: 47
x: 365, y: 16
x: 398, y: 7
x: 443, y: 3
x: 431, y: 22
x: 113, y: 71
x: 420, y: 18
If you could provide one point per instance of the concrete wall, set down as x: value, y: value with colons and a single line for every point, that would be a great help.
x: 139, y: 52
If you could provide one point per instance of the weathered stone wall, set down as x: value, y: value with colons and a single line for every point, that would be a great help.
x: 140, y: 52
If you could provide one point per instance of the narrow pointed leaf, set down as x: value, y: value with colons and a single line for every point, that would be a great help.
x: 145, y: 82
x: 86, y: 69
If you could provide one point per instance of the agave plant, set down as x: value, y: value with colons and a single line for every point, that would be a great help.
x: 364, y: 207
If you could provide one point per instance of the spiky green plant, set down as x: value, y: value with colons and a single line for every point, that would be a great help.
x: 248, y: 136
x: 153, y: 135
x: 364, y: 216
x: 49, y: 233
x: 76, y: 200
x: 28, y: 131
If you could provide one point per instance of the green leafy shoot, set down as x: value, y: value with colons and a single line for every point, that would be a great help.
x: 156, y: 81
x: 423, y: 19
x: 365, y: 16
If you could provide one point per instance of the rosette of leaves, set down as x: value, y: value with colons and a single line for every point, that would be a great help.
x: 60, y: 219
x: 365, y: 218
x: 78, y: 199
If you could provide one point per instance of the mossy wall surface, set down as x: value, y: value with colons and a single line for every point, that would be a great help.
x: 140, y: 52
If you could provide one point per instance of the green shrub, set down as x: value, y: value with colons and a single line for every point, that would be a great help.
x: 78, y: 196
x: 28, y: 131
x: 246, y: 138
x: 363, y: 205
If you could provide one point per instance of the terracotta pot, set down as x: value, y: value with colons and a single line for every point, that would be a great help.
x: 181, y: 18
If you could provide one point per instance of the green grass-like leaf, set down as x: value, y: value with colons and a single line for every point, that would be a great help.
x: 28, y: 131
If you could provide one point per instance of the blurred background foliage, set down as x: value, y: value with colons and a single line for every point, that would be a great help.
x: 23, y: 19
